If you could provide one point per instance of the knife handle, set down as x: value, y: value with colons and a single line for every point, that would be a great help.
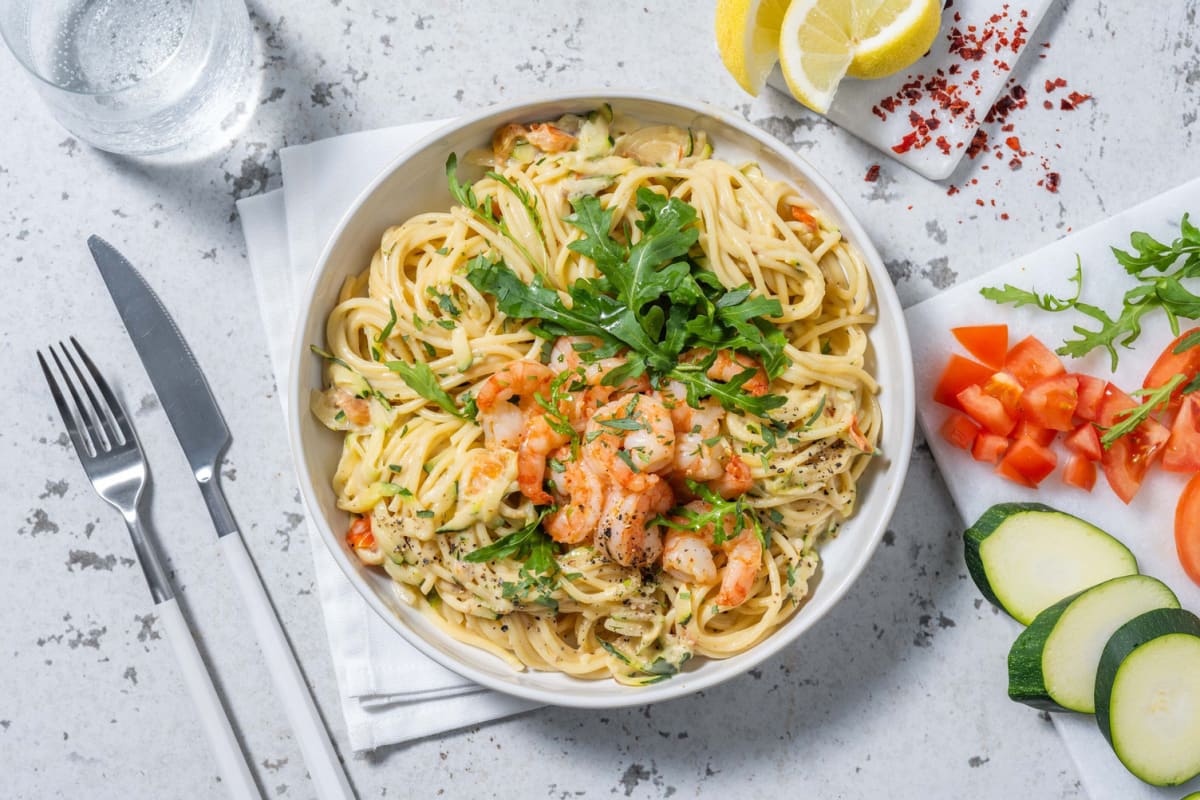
x: 328, y: 777
x: 231, y: 764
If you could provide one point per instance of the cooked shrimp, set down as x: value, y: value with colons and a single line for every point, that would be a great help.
x: 686, y: 556
x: 536, y: 444
x: 356, y: 409
x: 743, y: 555
x: 735, y: 480
x: 503, y: 141
x: 504, y: 423
x: 564, y: 356
x: 622, y: 531
x: 699, y: 446
x: 629, y: 439
x: 549, y: 139
x: 682, y: 556
x: 729, y: 365
x: 579, y: 511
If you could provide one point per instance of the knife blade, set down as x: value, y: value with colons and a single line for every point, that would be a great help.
x: 174, y: 373
x: 189, y: 404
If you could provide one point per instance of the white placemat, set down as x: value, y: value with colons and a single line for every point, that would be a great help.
x: 1147, y: 524
x: 390, y: 693
x: 977, y: 36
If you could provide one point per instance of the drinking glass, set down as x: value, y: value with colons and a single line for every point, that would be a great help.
x: 134, y: 76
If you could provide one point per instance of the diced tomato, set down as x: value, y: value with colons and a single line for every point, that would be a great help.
x: 1183, y: 447
x: 1030, y: 430
x: 1084, y: 441
x: 988, y: 343
x: 959, y: 430
x: 1170, y: 364
x: 986, y: 410
x: 1007, y: 390
x: 360, y: 535
x: 1187, y: 529
x: 1030, y: 361
x: 1051, y: 402
x: 1127, y: 460
x: 1091, y: 393
x: 1080, y: 472
x: 959, y: 374
x: 989, y: 447
x: 1027, y: 463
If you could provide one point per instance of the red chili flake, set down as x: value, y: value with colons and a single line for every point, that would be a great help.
x: 1049, y: 87
x: 978, y: 144
x: 1014, y: 164
x: 879, y: 113
x: 1046, y: 104
x: 1074, y: 99
x: 978, y: 201
x: 953, y: 190
x: 1004, y: 216
x: 1014, y: 143
x: 943, y: 145
x: 872, y: 173
x: 1052, y: 181
x: 906, y: 143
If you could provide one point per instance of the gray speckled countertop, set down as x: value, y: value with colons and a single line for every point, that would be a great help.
x: 900, y: 690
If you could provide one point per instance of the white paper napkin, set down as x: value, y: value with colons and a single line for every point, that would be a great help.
x: 1146, y: 525
x: 390, y: 692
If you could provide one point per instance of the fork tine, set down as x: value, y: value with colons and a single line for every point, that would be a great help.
x: 115, y: 409
x: 94, y: 437
x: 101, y: 417
x: 64, y: 410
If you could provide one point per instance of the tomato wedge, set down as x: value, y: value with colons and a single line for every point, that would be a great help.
x: 1007, y: 390
x: 989, y: 447
x: 959, y: 374
x: 1127, y: 460
x: 1183, y: 448
x: 986, y: 410
x: 1080, y: 472
x: 1029, y: 361
x: 959, y: 430
x: 988, y: 343
x: 1187, y: 529
x: 1027, y: 463
x: 1170, y: 364
x: 1091, y: 393
x: 1085, y: 441
x: 1051, y: 402
x: 1029, y: 430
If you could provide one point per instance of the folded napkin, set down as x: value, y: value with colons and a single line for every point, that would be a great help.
x: 390, y: 692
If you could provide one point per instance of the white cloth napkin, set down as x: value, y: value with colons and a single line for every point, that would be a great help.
x: 390, y: 692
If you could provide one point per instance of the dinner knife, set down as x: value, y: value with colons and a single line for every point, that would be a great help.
x: 190, y: 406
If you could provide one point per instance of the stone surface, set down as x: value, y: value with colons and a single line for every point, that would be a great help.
x: 900, y: 689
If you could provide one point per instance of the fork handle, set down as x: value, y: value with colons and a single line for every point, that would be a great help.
x: 231, y: 764
x: 328, y: 777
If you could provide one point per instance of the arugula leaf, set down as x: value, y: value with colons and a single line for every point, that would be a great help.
x: 526, y: 199
x: 1046, y: 302
x: 420, y: 379
x: 719, y: 510
x: 1131, y: 419
x: 529, y: 544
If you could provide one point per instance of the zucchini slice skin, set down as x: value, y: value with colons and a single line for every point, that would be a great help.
x: 993, y: 521
x: 1145, y: 629
x: 1027, y: 660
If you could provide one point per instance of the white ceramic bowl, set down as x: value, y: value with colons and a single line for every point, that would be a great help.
x: 415, y: 183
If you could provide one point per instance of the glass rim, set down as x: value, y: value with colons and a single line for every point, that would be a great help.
x: 166, y: 62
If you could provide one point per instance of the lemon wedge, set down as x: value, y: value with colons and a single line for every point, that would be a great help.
x: 748, y: 39
x: 822, y: 41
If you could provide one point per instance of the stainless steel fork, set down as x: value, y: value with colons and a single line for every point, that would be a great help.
x: 112, y: 457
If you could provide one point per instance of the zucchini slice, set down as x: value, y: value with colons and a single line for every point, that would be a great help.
x: 1025, y: 557
x: 1052, y: 664
x: 1148, y: 696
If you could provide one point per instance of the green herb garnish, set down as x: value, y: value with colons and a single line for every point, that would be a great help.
x: 420, y: 379
x: 465, y: 195
x: 1131, y: 419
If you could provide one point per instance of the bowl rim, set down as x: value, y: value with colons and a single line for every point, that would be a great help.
x: 885, y: 296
